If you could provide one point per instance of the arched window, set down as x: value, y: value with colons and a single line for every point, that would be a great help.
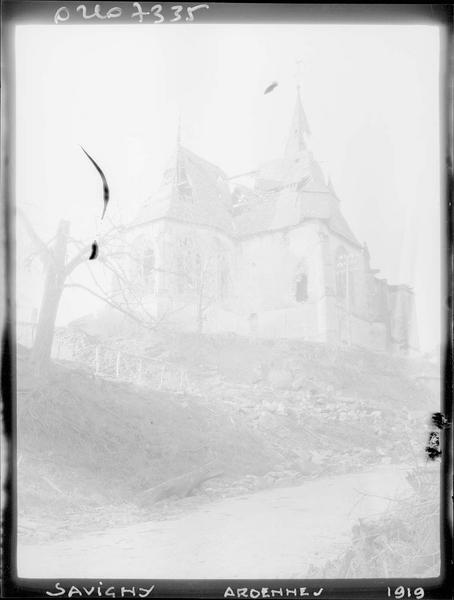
x: 223, y: 277
x: 187, y: 266
x: 180, y: 277
x: 148, y: 268
x: 346, y: 271
x: 341, y: 267
x: 301, y: 294
x: 301, y: 282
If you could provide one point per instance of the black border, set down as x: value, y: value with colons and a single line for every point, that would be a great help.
x: 42, y: 12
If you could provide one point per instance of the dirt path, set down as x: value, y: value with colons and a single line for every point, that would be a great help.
x: 275, y: 533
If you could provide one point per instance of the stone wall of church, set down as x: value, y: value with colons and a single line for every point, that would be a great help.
x: 280, y: 282
x: 305, y: 282
x: 142, y: 263
x: 364, y: 310
x: 182, y: 271
x: 403, y: 330
x: 352, y: 314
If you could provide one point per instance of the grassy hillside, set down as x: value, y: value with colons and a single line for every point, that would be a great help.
x: 264, y: 414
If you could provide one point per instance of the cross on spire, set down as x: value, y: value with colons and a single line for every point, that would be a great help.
x: 299, y: 129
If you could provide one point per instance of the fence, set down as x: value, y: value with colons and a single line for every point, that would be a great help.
x: 140, y: 370
x: 112, y: 363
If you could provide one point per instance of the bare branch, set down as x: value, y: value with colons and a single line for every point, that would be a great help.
x: 108, y: 301
x: 81, y: 256
x: 42, y: 249
x: 123, y: 291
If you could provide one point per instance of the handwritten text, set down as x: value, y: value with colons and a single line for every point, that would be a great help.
x: 99, y: 591
x: 156, y: 13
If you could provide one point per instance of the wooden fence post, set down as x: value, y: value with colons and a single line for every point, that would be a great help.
x: 117, y: 365
x: 96, y: 360
x: 162, y: 377
x: 139, y: 373
x: 181, y: 380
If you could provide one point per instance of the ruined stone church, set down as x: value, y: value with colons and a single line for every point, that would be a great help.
x: 274, y: 259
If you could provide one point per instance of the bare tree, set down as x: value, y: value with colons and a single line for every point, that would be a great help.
x: 204, y: 276
x: 63, y: 254
x: 59, y: 266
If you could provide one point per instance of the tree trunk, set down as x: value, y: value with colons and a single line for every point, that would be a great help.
x: 55, y: 279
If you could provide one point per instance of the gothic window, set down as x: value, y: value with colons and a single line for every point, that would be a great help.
x: 301, y: 283
x: 341, y: 266
x: 301, y: 288
x: 404, y: 333
x: 148, y: 268
x: 223, y: 277
x: 346, y: 266
x: 180, y: 276
x: 187, y: 266
x: 379, y: 301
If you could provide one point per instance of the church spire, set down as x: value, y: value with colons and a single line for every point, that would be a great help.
x: 299, y: 129
x: 182, y: 182
x: 179, y: 132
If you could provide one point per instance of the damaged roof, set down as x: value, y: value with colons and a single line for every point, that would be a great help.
x: 292, y: 190
x: 194, y: 191
x: 289, y: 208
x: 285, y: 192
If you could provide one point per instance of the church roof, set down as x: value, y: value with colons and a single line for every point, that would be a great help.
x: 293, y: 189
x: 289, y: 207
x: 287, y: 191
x: 194, y: 191
x: 274, y: 174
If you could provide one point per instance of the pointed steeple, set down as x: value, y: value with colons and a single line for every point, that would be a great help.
x: 179, y: 132
x: 299, y: 129
x: 182, y: 182
x: 179, y: 156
